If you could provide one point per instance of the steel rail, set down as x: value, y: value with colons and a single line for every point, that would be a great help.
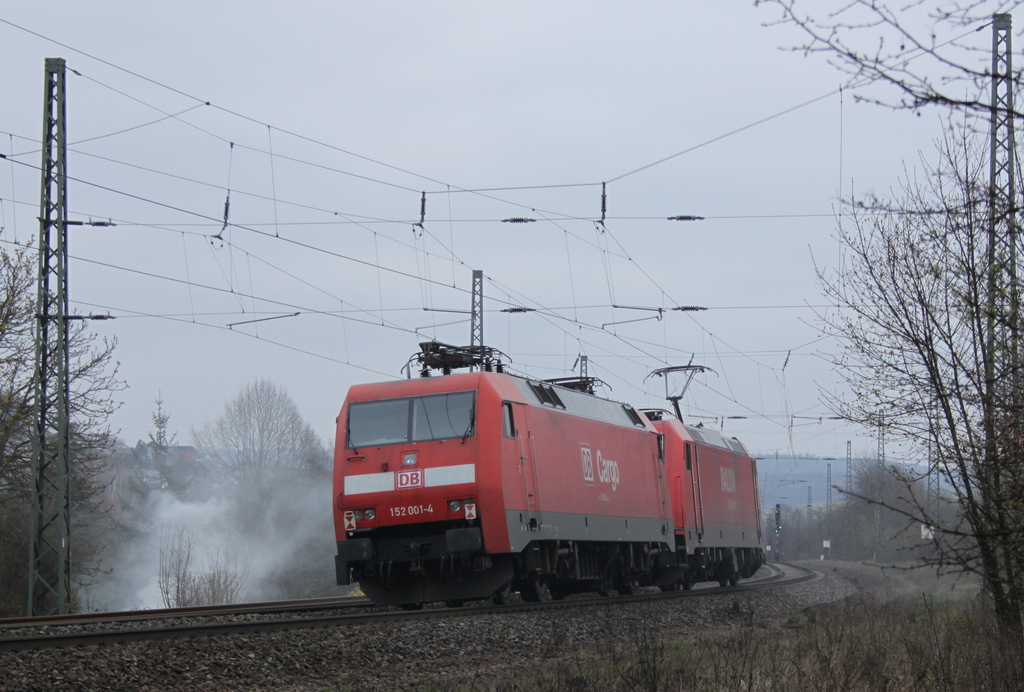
x: 298, y: 605
x: 222, y: 628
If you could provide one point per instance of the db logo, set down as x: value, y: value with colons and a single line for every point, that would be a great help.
x: 588, y: 465
x: 409, y: 479
x: 607, y: 470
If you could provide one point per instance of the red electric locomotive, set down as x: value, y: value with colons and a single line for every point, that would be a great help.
x: 716, y: 503
x: 475, y: 485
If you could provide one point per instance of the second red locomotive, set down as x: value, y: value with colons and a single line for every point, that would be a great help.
x: 475, y: 485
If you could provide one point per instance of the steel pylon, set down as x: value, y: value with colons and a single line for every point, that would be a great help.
x: 1003, y: 292
x: 49, y: 590
x: 476, y: 324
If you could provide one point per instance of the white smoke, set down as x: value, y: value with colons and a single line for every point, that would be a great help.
x: 292, y: 555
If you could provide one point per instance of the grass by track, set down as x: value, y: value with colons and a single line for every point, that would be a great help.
x: 904, y: 630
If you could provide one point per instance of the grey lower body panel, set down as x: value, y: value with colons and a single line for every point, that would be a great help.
x: 527, y: 526
x: 719, y: 536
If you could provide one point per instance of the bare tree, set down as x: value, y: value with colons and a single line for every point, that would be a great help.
x: 932, y: 329
x: 183, y: 583
x: 915, y: 294
x: 173, y: 577
x: 93, y: 375
x: 17, y: 324
x: 94, y: 381
x: 921, y: 52
x: 261, y: 441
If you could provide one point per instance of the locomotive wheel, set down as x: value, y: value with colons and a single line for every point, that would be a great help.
x: 666, y: 588
x: 454, y: 603
x: 687, y: 583
x: 733, y: 580
x: 605, y: 585
x: 412, y: 606
x: 503, y: 596
x: 537, y: 590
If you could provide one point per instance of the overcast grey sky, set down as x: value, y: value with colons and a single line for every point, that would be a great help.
x: 365, y: 105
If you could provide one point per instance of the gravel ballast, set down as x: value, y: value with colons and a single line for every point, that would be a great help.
x: 400, y: 656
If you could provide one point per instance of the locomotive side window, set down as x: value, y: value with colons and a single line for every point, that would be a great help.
x: 687, y: 457
x: 414, y: 419
x: 580, y: 403
x: 633, y: 415
x: 510, y: 425
x: 547, y: 394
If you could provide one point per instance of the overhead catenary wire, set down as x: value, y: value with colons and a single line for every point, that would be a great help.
x: 273, y: 178
x: 305, y: 351
x: 730, y: 133
x: 264, y: 339
x: 201, y: 101
x: 218, y: 289
x: 747, y: 408
x: 254, y: 195
x: 188, y: 277
x: 235, y: 293
x: 14, y: 210
x: 246, y: 117
x: 451, y: 219
x: 283, y: 239
x: 379, y: 268
x: 905, y: 56
x: 282, y: 130
x: 224, y: 222
x: 171, y: 116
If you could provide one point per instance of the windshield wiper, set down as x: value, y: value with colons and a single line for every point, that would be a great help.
x: 469, y: 429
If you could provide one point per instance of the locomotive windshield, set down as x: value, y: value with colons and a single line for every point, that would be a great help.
x: 415, y: 419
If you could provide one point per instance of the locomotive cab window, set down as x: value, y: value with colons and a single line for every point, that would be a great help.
x: 510, y: 424
x: 413, y: 419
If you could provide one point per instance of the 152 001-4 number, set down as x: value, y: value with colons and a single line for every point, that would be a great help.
x: 412, y: 510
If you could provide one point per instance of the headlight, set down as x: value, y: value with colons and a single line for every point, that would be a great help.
x: 370, y: 515
x: 454, y: 505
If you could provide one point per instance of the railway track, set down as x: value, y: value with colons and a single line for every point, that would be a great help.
x: 106, y: 634
x: 298, y: 605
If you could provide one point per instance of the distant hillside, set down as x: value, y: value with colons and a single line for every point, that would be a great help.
x: 785, y: 479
